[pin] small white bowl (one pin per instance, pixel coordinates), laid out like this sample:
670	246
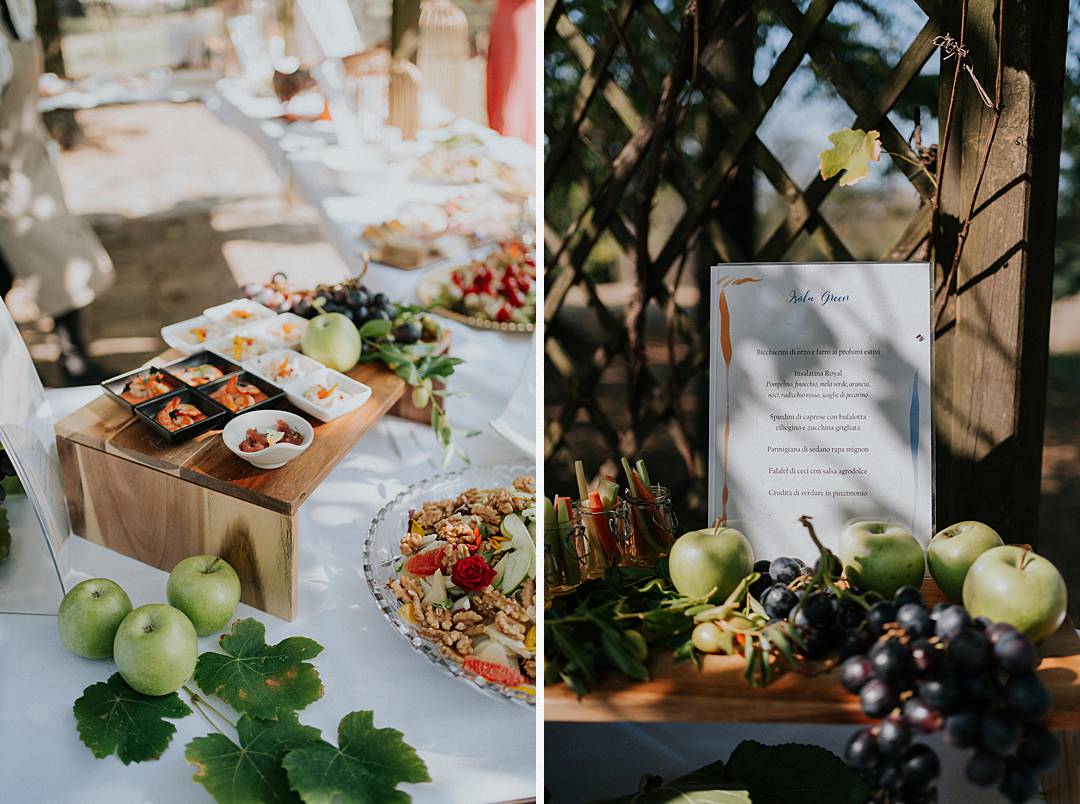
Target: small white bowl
272	457
220	313
263	365
358	394
174	334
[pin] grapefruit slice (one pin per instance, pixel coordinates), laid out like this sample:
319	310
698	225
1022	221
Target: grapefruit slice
426	563
499	673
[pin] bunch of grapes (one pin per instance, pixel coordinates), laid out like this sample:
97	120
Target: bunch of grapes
941	670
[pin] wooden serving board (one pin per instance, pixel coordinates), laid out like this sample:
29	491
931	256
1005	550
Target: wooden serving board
131	491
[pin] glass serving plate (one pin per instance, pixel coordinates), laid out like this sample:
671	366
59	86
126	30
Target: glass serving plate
382	553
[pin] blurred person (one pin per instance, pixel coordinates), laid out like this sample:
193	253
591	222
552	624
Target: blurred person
56	259
511	69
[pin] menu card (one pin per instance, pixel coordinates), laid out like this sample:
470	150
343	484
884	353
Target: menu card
819	400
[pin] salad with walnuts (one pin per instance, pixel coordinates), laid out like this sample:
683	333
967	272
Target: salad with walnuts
467	580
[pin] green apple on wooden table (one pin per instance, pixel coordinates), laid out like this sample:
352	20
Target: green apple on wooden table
90	615
155	649
1014	585
954	549
205	588
333	340
881	556
711	558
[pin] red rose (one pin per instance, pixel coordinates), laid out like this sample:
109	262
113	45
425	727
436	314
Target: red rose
472	573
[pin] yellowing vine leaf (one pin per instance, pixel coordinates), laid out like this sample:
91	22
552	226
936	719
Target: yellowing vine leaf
852	152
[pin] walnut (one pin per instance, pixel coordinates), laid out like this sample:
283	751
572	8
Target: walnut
406	588
467	498
528	593
452	631
512	628
486	514
530	668
455	530
410	543
434	512
491	602
526	483
452	555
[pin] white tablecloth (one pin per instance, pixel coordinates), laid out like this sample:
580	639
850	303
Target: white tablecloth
476	748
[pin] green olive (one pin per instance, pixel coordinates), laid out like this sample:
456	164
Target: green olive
707	637
640	648
421	395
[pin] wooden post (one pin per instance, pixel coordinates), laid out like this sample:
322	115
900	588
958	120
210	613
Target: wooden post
992	344
405	29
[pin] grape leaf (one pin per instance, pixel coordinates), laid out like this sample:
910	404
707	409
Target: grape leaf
367	765
259	679
112	718
251	771
852	152
811	774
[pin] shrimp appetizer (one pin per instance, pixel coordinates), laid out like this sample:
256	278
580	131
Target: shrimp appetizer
177	415
199	375
147	386
238	396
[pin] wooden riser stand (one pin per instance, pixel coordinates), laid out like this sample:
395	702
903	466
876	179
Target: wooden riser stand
132	492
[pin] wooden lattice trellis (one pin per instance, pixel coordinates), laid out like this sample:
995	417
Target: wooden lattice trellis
663	388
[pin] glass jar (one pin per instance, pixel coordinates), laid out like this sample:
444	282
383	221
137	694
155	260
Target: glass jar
652	525
566	554
606	531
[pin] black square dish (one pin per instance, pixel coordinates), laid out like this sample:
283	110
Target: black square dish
215	415
226	367
115	386
274	395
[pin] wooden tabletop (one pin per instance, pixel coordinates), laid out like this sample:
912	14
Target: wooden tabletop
205	460
720	693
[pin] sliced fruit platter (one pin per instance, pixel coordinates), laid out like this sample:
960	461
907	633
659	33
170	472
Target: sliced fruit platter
493	288
451	562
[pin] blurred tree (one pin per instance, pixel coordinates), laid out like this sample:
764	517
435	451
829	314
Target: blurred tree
61	123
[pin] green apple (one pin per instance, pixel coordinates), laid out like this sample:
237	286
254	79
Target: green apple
89	616
206	589
702	560
1011	584
155	649
953	550
881	556
333	340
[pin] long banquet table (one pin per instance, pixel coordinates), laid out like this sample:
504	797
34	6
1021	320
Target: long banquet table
476	748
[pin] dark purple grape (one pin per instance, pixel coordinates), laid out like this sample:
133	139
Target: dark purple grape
894	735
890	775
833	568
784	570
951	621
912	617
985	769
6	468
920	767
1038	749
850	614
940	692
969	650
379	300
362	314
999	630
817	640
1019	785
981	623
407	333
879	616
891	661
778	601
921	716
758	587
962	730
1028	697
907	594
852	643
878	698
926	657
855	672
817	609
861	752
1000	733
1015	653
982	689
383	314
